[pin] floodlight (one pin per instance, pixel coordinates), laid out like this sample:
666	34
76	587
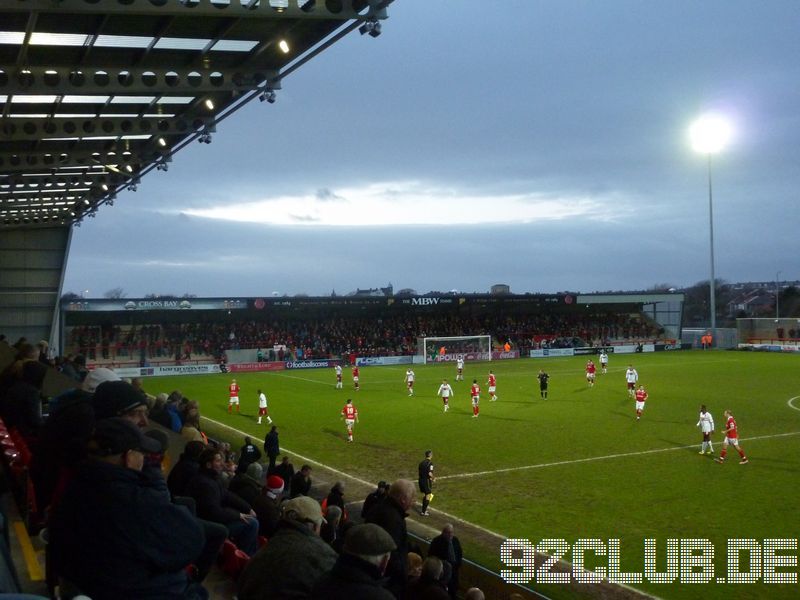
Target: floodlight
284	46
710	134
372	27
269	95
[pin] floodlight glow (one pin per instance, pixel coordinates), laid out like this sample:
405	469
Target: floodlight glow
284	46
710	134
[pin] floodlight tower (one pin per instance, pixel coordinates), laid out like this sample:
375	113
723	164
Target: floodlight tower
709	135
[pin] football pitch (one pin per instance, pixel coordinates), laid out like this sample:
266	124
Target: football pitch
577	466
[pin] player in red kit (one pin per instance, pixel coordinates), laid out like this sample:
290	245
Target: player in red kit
731	439
641	397
475	393
492	383
233	390
350	416
355	377
591	370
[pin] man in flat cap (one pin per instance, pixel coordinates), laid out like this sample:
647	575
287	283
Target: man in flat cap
294	559
358	572
115	535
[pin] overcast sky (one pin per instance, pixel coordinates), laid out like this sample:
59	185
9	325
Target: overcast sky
539	144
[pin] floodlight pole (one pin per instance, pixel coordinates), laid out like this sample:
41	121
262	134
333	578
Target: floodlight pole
778	295
713	308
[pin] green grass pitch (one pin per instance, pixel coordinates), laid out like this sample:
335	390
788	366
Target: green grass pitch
577	465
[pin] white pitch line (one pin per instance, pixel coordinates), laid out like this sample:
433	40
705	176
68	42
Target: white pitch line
597	458
789	402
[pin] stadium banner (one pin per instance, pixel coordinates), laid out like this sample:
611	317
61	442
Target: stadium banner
770	347
667	347
161	371
552	352
584	350
372	361
252	367
626	349
121	304
452	357
503	355
648	347
311	364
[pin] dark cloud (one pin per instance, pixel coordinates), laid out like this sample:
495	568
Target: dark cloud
327	195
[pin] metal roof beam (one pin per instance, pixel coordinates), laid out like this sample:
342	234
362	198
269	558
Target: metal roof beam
22	128
311	9
134	81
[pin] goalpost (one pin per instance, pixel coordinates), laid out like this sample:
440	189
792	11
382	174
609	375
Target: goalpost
450	349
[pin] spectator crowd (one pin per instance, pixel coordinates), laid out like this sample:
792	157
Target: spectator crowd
120	525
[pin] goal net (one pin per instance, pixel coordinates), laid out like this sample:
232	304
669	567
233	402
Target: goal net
450	349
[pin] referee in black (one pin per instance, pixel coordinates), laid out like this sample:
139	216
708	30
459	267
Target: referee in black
426	482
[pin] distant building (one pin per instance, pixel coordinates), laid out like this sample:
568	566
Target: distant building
500	289
385	291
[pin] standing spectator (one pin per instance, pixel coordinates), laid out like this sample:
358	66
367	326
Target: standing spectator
358	572
295	558
21	406
247	455
113	534
216	504
374	497
272	448
301	482
447	547
391	514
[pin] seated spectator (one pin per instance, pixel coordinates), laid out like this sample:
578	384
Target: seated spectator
429	586
264	500
335	498
113	535
294	559
358	572
330	529
474	593
217	504
301	482
191	431
414	563
120	399
185	469
158	412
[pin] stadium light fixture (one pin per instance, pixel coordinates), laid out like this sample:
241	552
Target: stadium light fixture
269	95
371	26
209	103
284	46
709	135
